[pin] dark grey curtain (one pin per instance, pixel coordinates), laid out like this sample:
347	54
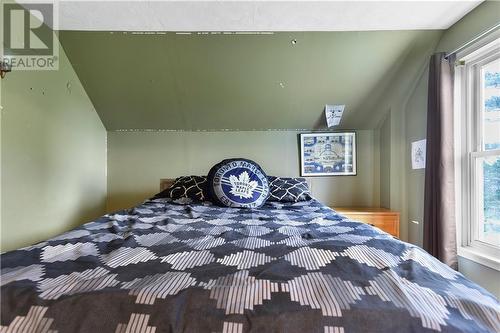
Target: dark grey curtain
439	201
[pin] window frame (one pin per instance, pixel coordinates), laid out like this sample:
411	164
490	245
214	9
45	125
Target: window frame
469	150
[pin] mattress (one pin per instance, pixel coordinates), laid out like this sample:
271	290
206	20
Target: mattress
168	266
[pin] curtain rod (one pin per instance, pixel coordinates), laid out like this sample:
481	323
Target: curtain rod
481	35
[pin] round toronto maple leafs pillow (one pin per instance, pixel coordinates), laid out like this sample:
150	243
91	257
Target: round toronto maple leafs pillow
238	182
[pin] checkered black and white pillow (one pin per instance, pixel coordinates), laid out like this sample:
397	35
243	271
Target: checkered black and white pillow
288	189
191	187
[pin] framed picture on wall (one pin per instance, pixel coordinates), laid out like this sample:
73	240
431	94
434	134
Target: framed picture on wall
328	154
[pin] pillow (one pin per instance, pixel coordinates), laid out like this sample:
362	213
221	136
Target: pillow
238	182
192	187
288	189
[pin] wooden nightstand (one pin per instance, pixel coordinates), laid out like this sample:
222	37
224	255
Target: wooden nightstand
382	218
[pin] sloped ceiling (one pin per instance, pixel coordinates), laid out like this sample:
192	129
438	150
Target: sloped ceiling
216	81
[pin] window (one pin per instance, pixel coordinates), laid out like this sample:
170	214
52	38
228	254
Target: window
477	133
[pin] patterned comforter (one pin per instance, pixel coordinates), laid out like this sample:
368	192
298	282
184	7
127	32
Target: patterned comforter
171	267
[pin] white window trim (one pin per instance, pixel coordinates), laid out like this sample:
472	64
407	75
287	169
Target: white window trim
466	154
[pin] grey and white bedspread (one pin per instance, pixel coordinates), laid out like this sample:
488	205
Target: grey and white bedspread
166	267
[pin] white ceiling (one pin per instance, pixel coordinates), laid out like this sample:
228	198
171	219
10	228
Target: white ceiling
213	15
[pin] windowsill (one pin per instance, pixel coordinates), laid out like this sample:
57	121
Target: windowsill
477	256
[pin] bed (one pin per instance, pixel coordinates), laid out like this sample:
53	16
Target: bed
167	266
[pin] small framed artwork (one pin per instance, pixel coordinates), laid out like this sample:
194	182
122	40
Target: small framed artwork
328	154
418	154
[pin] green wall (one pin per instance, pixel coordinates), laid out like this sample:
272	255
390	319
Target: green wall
408	118
53	156
237	81
392	125
138	160
385	163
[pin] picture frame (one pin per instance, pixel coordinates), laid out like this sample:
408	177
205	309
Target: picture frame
328	154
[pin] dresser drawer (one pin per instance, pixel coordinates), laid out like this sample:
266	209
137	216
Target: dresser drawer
381	218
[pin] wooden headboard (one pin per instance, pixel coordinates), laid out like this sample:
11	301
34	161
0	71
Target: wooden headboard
166	183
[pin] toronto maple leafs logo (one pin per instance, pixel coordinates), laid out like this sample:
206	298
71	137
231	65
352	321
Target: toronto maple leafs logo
242	186
240	183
